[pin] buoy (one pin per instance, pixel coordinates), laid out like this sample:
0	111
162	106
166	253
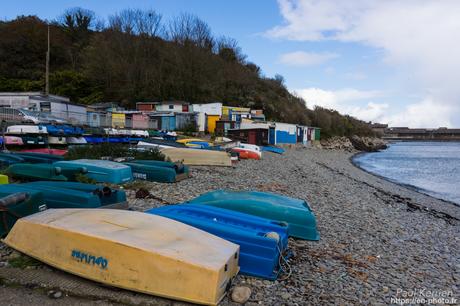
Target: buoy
273	235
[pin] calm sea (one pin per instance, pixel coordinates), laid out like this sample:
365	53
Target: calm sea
431	167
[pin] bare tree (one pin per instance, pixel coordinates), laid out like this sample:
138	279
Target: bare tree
138	22
189	29
229	50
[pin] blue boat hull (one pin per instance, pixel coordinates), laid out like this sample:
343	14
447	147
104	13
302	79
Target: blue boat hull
272	149
259	255
295	212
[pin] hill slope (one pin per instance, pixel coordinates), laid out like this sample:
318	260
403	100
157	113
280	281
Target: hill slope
138	57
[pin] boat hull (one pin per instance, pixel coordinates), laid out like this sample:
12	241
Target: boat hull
100	170
11	211
71	195
57	152
108	197
36	172
295	212
130	250
259	254
198	157
247	153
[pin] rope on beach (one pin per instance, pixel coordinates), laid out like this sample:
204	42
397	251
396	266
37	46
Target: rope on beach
282	259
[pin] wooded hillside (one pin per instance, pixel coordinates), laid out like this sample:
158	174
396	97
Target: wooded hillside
137	56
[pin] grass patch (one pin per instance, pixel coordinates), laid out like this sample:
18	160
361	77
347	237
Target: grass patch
24	261
82	178
137	184
112	150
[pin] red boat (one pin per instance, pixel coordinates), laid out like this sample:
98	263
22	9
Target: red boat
12	140
47	151
247	153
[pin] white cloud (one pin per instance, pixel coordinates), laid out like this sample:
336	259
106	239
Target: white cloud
419	39
301	58
426	113
359	104
345	100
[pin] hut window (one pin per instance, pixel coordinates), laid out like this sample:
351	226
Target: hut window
171	106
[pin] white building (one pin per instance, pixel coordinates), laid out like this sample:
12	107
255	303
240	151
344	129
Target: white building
58	106
204	111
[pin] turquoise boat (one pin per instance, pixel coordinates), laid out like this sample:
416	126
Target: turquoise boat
295	212
100	170
58	197
158	171
178	167
109	197
36	172
15	205
32	157
7	159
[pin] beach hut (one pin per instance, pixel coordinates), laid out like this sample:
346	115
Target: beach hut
165	120
222	127
211	123
255	136
207	115
140	121
118	120
282	133
317	134
185	120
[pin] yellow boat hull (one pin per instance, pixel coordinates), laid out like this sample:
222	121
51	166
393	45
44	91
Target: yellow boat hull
130	250
3	179
197	157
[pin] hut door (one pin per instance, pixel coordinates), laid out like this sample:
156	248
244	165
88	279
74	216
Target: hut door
252	139
299	135
271	136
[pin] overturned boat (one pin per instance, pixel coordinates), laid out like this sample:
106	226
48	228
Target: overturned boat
198	157
58	152
130	250
158	171
100	170
44	171
261	241
74	194
295	212
15	205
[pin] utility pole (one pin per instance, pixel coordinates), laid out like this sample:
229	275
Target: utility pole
47	76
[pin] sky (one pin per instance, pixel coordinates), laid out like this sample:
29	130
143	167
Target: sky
395	62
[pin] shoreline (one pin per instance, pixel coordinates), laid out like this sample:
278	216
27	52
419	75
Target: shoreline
408	186
377	237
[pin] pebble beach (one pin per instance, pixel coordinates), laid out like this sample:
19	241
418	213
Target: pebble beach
379	241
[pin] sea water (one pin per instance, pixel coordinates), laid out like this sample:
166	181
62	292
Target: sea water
431	167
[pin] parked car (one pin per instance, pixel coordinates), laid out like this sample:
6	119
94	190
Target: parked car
42	117
17	115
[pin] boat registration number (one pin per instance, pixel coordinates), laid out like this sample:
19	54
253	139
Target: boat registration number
141	176
90	259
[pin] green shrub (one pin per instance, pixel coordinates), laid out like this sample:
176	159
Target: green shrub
111	150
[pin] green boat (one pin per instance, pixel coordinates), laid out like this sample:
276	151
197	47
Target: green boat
36	172
178	167
109	197
158	171
73	196
7	159
32	157
295	212
15	205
